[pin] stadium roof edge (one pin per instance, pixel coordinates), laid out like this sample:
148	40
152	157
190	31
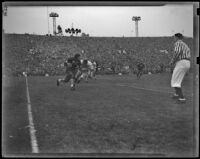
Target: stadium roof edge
93	3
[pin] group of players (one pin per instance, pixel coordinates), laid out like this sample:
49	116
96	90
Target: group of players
82	69
78	69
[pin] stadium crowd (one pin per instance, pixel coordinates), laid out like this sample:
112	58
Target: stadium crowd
41	55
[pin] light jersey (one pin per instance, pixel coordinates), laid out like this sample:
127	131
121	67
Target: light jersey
90	64
94	64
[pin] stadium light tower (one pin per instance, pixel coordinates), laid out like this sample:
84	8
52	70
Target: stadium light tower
48	19
136	19
5	9
54	15
72	30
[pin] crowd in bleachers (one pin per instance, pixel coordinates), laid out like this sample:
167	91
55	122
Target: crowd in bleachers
40	55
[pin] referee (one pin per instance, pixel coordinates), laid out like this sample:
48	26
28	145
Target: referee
181	61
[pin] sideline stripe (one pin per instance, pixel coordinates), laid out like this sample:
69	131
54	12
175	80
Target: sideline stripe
34	144
147	89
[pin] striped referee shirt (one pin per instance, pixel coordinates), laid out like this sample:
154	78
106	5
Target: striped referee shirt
181	51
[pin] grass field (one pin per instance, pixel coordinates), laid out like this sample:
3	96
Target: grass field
110	115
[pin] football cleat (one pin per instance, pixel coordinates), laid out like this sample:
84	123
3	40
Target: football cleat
73	88
181	101
175	96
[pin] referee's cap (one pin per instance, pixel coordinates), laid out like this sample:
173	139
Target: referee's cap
179	35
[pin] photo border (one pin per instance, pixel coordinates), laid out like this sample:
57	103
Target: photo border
195	73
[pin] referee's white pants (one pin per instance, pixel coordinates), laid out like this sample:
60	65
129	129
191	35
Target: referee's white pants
179	72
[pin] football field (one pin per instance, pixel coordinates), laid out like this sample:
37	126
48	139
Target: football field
111	115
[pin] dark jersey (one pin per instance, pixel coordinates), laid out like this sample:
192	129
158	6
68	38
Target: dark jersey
85	64
73	63
97	66
140	66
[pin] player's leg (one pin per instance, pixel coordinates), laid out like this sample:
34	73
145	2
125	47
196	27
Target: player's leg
65	79
179	95
176	94
177	77
89	74
72	84
175	81
83	76
138	74
141	72
94	74
78	76
179	92
72	80
185	69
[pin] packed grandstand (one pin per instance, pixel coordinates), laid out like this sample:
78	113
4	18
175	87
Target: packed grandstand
40	54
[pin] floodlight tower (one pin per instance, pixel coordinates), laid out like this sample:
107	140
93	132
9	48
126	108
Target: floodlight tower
136	19
48	19
54	15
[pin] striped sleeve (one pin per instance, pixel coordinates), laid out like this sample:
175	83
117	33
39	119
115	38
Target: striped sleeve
186	52
181	51
177	50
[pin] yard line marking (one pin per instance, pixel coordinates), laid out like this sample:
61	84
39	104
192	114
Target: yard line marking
153	90
32	130
142	88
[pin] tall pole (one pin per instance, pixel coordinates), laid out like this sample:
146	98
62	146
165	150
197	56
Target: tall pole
48	18
136	19
4	17
54	15
54	25
136	28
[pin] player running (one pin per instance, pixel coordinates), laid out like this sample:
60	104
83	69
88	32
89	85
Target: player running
84	70
140	67
72	71
92	69
181	60
88	70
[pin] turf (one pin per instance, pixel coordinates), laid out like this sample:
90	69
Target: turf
15	132
114	114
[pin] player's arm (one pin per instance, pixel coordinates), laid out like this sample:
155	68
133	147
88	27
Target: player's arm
65	63
68	63
79	64
177	50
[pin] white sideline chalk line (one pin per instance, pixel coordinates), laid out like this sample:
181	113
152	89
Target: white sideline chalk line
32	130
153	90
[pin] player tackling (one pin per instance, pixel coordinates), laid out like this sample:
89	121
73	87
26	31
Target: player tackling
181	60
72	71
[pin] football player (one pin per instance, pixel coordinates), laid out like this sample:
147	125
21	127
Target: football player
140	67
72	71
84	70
